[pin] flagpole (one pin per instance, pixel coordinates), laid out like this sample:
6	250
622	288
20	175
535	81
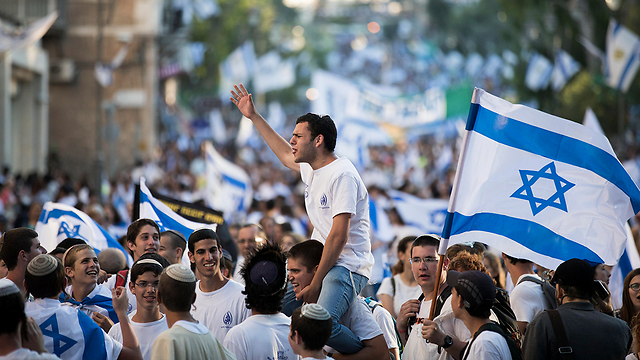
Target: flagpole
444	241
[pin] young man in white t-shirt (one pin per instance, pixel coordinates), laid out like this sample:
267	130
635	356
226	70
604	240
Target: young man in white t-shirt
264	335
337	204
472	296
147	322
527	297
220	304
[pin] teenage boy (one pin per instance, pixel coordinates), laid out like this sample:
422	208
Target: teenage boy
219	301
147	322
172	246
18	247
472	295
186	337
310	330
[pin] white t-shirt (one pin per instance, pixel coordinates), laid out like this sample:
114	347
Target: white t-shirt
403	292
386	324
489	345
335	189
236	272
145	332
527	299
26	354
261	337
417	348
111	283
220	310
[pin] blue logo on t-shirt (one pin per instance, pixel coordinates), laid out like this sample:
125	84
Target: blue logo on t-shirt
323	200
227	318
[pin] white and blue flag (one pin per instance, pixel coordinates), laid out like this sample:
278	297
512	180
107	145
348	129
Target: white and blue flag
228	185
167	219
538	187
563	70
538	72
623	56
428	215
59	221
69	333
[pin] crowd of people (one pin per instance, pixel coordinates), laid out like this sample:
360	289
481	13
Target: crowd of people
295	290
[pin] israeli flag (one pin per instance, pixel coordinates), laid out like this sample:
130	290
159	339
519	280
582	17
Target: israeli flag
71	334
167	219
59	221
623	56
228	185
563	70
538	72
538	187
428	215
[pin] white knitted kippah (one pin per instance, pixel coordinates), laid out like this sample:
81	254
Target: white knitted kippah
42	265
315	312
148	261
7	287
180	273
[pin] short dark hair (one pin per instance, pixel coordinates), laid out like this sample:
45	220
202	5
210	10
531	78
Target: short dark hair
176	295
265	299
14	241
426	240
321	125
157	257
12	310
202	234
514	260
577	292
134	229
308	252
140	268
177	239
46	286
314	333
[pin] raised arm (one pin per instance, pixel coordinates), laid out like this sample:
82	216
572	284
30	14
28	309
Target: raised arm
244	101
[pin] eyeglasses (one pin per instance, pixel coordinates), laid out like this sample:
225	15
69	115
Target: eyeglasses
427	260
144	284
634	287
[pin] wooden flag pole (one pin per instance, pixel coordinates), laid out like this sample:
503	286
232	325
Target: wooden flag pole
436	288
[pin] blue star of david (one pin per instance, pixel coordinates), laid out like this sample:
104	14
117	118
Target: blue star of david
557	200
70	232
61	343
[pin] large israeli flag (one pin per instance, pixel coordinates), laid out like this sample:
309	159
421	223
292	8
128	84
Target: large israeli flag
59	221
623	56
538	187
167	219
228	185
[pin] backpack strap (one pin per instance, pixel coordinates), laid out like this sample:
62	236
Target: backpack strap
565	350
547	294
121	277
444	295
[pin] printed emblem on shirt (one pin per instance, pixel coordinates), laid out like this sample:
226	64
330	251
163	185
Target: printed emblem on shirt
227	318
323	202
281	355
306	191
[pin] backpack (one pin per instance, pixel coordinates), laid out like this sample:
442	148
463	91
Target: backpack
516	353
372	305
548	290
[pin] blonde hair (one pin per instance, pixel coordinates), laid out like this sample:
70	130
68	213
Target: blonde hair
71	255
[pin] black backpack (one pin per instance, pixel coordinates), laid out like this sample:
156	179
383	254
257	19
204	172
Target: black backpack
548	290
516	353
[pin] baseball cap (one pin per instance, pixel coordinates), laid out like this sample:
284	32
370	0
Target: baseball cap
574	272
476	288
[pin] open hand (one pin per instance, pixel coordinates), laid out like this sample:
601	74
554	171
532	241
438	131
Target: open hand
243	100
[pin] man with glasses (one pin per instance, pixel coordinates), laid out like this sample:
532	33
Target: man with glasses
424	265
148	322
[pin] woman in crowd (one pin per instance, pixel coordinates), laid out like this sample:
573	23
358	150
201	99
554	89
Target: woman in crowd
631	307
402	286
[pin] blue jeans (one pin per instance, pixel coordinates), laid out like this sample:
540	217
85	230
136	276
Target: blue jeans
340	288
